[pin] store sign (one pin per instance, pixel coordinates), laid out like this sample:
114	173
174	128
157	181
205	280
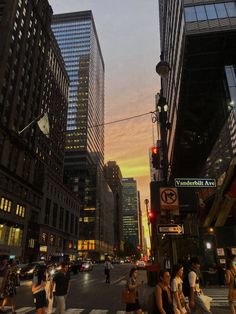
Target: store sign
195	183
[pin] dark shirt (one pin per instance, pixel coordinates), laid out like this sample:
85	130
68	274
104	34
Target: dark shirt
62	282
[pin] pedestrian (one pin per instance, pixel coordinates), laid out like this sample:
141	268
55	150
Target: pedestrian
192	288
49	276
132	286
163	298
61	286
179	304
3	271
9	287
107	269
38	289
231	281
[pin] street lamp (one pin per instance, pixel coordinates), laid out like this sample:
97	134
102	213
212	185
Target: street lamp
162	67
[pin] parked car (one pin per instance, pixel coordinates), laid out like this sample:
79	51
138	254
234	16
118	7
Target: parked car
140	264
86	266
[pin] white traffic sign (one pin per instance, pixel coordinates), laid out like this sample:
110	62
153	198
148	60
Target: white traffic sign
170	229
169	199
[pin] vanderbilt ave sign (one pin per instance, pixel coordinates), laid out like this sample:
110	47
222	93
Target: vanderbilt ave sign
195	183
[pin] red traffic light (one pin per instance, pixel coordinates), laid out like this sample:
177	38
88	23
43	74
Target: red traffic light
155	150
152	216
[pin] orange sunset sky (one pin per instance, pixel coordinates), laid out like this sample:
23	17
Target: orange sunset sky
128	31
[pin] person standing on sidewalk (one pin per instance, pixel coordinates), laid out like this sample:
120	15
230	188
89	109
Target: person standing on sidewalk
231	281
163	298
49	276
133	286
61	285
107	269
179	304
197	300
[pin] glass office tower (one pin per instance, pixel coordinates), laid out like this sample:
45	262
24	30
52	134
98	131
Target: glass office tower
77	38
130	211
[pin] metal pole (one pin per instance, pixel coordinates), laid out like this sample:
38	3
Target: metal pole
32	122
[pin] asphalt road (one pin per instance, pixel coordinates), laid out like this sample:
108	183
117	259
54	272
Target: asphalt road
88	290
91	294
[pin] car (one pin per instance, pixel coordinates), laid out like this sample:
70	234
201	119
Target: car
27	271
140	264
87	266
75	266
122	261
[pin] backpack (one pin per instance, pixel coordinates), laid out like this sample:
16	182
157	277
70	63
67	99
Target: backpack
186	285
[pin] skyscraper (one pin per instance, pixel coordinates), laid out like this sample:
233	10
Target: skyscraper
198	40
77	37
33	80
114	179
130	211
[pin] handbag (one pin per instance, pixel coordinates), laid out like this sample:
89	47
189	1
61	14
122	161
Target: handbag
204	301
128	296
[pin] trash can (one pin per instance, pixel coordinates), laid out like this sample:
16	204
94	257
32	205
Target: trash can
152	274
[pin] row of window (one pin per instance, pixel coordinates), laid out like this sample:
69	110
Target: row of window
210	11
6	206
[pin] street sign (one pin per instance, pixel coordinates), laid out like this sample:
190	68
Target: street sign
195	183
170	229
169	199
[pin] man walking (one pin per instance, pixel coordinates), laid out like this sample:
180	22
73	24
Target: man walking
61	286
107	268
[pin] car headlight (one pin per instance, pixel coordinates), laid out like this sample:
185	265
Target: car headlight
30	271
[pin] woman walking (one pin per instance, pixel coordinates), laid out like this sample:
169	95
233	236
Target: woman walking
179	303
9	287
231	281
38	289
132	286
164	302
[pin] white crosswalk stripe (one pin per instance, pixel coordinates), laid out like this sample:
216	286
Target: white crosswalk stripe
219	296
31	310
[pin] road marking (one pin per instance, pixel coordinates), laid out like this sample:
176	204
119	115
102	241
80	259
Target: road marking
98	312
74	311
118	280
26	309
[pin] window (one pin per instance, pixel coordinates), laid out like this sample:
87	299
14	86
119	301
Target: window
220	10
211	11
72	223
47	211
31	243
231	8
76	225
20	210
61	218
54	215
67	221
5	205
201	13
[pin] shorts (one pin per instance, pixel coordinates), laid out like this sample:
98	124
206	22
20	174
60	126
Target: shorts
40	299
131	307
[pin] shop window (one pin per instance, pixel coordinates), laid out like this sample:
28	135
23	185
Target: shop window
5	205
31	243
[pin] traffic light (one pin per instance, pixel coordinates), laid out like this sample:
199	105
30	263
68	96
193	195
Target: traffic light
152	215
155	157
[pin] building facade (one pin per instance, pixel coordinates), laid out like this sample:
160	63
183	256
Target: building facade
84	159
199	91
130	212
33	81
113	177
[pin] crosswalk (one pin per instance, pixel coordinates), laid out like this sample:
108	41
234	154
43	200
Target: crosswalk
219	296
31	310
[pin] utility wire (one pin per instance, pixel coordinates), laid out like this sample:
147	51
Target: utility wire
121	120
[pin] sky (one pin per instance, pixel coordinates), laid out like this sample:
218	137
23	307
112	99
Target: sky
128	32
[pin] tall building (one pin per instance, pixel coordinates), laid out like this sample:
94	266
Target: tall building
84	159
130	212
113	177
33	80
198	40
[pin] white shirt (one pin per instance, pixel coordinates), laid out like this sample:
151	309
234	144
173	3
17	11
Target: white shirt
192	278
176	285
